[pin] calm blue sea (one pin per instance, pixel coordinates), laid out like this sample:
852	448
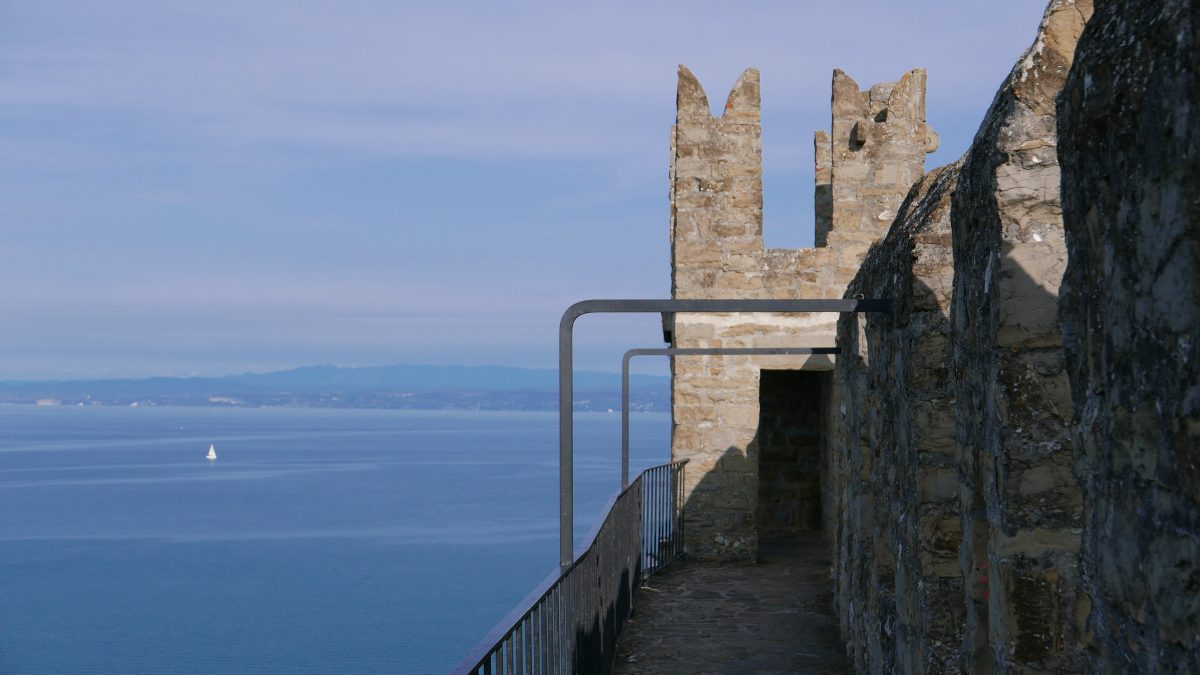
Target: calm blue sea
320	541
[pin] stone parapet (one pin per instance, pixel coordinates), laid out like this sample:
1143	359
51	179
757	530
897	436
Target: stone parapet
1129	143
891	476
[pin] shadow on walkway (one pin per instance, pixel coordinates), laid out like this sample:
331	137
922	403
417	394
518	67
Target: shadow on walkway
774	616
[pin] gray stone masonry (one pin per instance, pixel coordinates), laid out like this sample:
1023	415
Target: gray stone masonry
1021	504
892	480
1129	143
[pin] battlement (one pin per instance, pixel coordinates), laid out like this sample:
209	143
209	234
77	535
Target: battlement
865	165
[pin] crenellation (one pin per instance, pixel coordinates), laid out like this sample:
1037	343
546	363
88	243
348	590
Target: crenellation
718	252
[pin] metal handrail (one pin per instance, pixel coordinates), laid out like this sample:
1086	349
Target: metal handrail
570	623
566	338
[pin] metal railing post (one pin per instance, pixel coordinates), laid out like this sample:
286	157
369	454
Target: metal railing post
566	328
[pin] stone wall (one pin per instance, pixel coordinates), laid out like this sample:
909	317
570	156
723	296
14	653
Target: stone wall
866	164
892	507
1129	147
955	510
1021	504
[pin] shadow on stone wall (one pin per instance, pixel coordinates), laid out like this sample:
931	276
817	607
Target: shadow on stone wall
728	533
951	501
1129	143
772	489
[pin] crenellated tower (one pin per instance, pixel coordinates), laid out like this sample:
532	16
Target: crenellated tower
725	416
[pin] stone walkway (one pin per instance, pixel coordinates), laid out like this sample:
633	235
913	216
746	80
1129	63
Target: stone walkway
770	617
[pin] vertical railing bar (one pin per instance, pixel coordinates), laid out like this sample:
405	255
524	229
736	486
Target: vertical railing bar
531	640
529	646
664	537
510	659
570	625
551	634
676	491
648	547
576	610
560	643
663	521
581	617
520	649
539	637
671	511
571	630
574	625
664	516
682	515
647	519
651	489
658	519
679	515
552	647
674	499
651	527
589	589
515	647
651	560
564	636
668	515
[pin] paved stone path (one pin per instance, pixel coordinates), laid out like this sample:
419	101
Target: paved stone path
771	617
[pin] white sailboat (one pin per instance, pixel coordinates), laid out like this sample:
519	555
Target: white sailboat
212	453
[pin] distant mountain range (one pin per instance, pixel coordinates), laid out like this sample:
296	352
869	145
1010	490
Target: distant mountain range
397	386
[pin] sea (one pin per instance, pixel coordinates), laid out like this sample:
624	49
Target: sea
320	541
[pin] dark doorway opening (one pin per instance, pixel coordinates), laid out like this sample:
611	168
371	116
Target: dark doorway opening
791	430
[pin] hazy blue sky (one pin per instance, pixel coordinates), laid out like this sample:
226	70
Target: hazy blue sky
219	186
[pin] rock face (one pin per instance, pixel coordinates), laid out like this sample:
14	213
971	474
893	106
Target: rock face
1130	154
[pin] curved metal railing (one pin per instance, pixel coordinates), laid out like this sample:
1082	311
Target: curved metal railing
570	623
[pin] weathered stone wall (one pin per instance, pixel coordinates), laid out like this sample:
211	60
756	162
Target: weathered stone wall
1130	152
893	503
1021	505
955	513
875	150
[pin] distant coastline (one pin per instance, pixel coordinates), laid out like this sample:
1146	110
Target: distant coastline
408	387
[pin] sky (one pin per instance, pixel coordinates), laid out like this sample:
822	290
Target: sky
222	187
